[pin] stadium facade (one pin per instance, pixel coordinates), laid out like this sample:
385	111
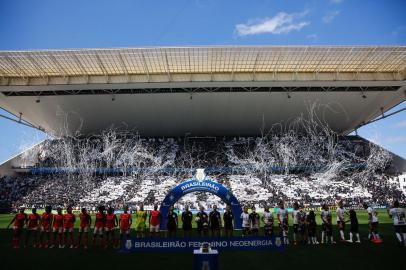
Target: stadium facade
199	91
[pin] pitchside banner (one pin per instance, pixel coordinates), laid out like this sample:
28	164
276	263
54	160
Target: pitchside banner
190	244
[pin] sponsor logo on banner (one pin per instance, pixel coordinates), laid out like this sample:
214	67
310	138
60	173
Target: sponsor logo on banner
128	244
187	186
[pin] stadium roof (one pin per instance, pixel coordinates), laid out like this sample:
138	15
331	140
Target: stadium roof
217	90
170	61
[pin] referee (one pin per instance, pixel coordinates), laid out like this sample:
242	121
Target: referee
172	223
187	222
215	222
202	221
228	218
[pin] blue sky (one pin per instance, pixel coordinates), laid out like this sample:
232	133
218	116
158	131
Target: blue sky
49	24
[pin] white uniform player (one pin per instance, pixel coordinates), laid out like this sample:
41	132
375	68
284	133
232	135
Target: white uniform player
398	216
245	220
283	218
373	222
296	217
268	222
373	215
327	226
268	218
245	217
340	215
340	219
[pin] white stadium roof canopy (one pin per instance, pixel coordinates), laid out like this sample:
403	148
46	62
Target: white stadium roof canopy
194	61
215	90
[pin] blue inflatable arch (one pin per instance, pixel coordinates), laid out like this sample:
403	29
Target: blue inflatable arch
193	185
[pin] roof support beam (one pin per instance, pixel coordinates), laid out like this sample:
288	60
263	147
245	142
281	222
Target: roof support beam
339	66
190	66
280	88
255	66
167	67
17	69
239	78
120	57
58	65
145	66
102	67
316	69
76	59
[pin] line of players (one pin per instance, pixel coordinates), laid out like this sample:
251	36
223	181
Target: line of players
305	226
50	230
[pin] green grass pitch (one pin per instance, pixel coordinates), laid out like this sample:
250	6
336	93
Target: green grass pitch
341	255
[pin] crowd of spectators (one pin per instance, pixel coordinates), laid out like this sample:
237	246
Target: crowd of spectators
58	189
215	154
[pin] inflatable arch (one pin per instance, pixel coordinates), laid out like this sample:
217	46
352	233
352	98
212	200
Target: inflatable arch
193	185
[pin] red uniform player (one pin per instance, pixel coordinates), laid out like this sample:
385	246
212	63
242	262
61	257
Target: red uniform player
154	221
32	227
46	222
19	221
68	222
57	228
85	223
125	222
99	225
111	224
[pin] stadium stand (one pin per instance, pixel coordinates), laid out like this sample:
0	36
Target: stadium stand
164	163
